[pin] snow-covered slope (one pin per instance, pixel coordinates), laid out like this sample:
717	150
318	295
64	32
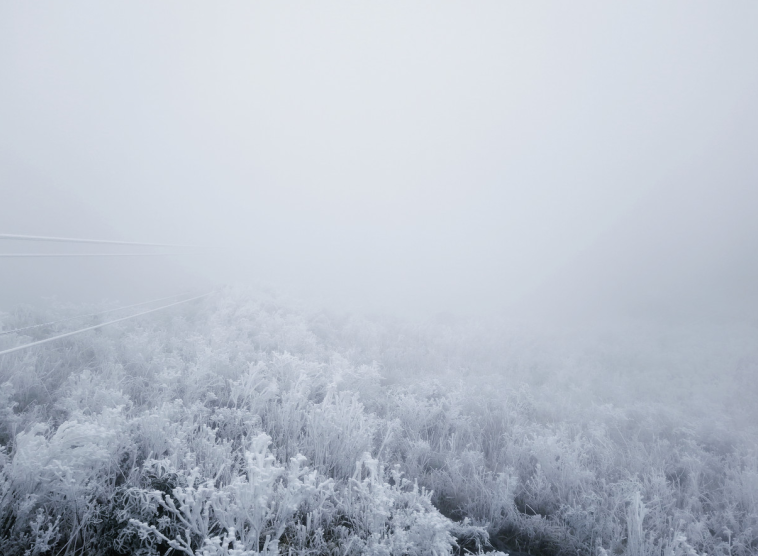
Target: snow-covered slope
248	424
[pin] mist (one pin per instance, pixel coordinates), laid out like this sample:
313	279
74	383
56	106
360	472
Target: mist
403	278
405	159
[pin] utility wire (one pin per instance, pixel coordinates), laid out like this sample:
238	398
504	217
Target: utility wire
80	240
4	332
40	342
14	255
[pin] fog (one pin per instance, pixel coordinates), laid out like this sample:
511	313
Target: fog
411	158
445	278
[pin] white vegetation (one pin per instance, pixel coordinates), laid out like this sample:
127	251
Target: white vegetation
244	425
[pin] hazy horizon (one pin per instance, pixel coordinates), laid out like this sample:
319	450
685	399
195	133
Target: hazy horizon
409	159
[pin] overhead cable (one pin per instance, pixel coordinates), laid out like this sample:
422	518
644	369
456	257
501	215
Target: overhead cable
66	335
4	332
81	240
16	255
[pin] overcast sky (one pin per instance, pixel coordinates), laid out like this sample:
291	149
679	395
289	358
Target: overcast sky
409	157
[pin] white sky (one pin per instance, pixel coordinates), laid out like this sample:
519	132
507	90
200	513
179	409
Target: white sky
408	156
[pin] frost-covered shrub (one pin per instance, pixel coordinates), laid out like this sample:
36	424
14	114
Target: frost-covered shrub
267	506
208	430
248	514
56	480
396	518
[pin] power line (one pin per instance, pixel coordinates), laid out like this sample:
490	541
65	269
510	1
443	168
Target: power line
5	332
81	240
24	255
66	335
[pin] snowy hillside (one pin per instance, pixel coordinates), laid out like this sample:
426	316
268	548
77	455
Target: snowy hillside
245	424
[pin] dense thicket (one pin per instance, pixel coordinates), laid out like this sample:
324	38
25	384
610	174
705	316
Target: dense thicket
245	424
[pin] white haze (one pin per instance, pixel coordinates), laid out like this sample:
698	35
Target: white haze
417	157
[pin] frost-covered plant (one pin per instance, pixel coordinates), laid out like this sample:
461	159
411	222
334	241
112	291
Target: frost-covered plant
393	518
247	515
55	481
156	427
265	503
